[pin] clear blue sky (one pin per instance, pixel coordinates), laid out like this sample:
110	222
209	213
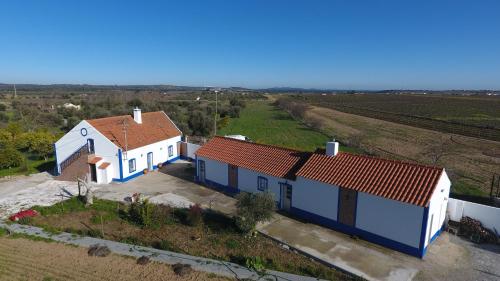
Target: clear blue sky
372	44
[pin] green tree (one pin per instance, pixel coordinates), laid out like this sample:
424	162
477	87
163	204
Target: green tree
253	208
10	157
200	124
42	144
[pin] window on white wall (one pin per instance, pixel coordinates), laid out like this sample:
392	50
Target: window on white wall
170	150
131	165
262	183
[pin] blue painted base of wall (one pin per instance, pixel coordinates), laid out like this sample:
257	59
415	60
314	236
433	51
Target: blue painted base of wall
368	236
155	167
187	159
220	187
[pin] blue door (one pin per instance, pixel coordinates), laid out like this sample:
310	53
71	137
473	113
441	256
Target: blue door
90	144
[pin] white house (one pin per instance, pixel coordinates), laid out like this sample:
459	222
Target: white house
396	204
118	148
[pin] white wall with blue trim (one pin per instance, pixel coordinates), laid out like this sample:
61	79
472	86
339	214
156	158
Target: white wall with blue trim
248	180
315	197
391	219
215	171
437	208
140	154
78	136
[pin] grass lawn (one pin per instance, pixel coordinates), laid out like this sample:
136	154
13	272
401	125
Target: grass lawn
215	237
264	123
35	165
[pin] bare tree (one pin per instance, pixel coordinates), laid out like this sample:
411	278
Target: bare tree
87	185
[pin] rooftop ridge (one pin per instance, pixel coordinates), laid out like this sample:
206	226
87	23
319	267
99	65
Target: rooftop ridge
263	144
388	160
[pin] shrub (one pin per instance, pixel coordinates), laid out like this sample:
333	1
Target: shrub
10	157
252	209
194	215
142	213
255	263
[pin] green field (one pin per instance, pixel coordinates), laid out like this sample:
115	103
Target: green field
264	123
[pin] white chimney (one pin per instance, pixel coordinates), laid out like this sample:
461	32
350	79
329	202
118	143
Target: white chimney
137	115
332	148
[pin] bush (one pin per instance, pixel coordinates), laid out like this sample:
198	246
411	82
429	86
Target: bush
194	215
252	209
143	214
10	157
255	263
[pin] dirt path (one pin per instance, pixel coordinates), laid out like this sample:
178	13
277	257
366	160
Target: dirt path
22	259
471	160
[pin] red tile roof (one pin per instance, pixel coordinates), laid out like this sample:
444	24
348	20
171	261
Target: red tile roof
104	165
267	159
94	159
155	127
402	181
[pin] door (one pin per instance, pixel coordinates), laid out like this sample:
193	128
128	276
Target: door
93	173
286	196
347	206
233	176
150	161
201	170
90	144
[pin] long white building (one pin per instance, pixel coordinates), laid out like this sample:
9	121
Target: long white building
118	148
396	204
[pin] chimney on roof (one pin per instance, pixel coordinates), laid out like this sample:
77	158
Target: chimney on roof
137	115
332	148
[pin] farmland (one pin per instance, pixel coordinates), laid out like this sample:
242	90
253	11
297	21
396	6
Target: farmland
475	116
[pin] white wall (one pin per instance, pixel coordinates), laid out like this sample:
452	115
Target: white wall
73	140
437	207
247	181
160	155
315	197
388	218
487	215
191	150
215	171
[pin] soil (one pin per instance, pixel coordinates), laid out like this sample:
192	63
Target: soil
22	259
469	160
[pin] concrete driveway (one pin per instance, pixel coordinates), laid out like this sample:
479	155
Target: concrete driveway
172	185
449	257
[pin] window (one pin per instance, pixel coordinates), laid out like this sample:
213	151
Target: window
262	183
131	165
170	150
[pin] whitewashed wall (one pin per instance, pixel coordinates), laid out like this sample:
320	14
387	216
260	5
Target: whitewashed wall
160	155
191	150
487	215
215	171
437	207
247	181
315	197
390	218
73	140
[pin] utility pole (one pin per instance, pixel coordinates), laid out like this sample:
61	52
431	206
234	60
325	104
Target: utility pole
15	91
215	123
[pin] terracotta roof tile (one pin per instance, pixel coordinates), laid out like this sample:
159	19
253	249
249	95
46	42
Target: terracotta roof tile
402	181
94	159
104	165
267	159
155	127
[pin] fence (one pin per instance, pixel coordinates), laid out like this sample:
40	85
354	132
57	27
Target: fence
188	149
487	215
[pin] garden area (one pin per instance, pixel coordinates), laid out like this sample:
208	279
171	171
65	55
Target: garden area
192	231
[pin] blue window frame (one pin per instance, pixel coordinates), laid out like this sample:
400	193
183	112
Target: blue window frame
131	165
170	150
262	183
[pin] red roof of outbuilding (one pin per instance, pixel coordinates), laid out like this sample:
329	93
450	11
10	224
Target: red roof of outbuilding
402	181
267	159
155	127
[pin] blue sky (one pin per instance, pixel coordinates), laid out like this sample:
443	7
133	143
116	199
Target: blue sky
376	44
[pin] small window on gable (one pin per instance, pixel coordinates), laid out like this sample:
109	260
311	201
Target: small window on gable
131	165
170	150
262	183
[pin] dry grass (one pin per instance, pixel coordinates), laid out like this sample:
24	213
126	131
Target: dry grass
469	161
22	259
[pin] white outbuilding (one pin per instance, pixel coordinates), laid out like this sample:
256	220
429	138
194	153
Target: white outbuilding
396	204
118	148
